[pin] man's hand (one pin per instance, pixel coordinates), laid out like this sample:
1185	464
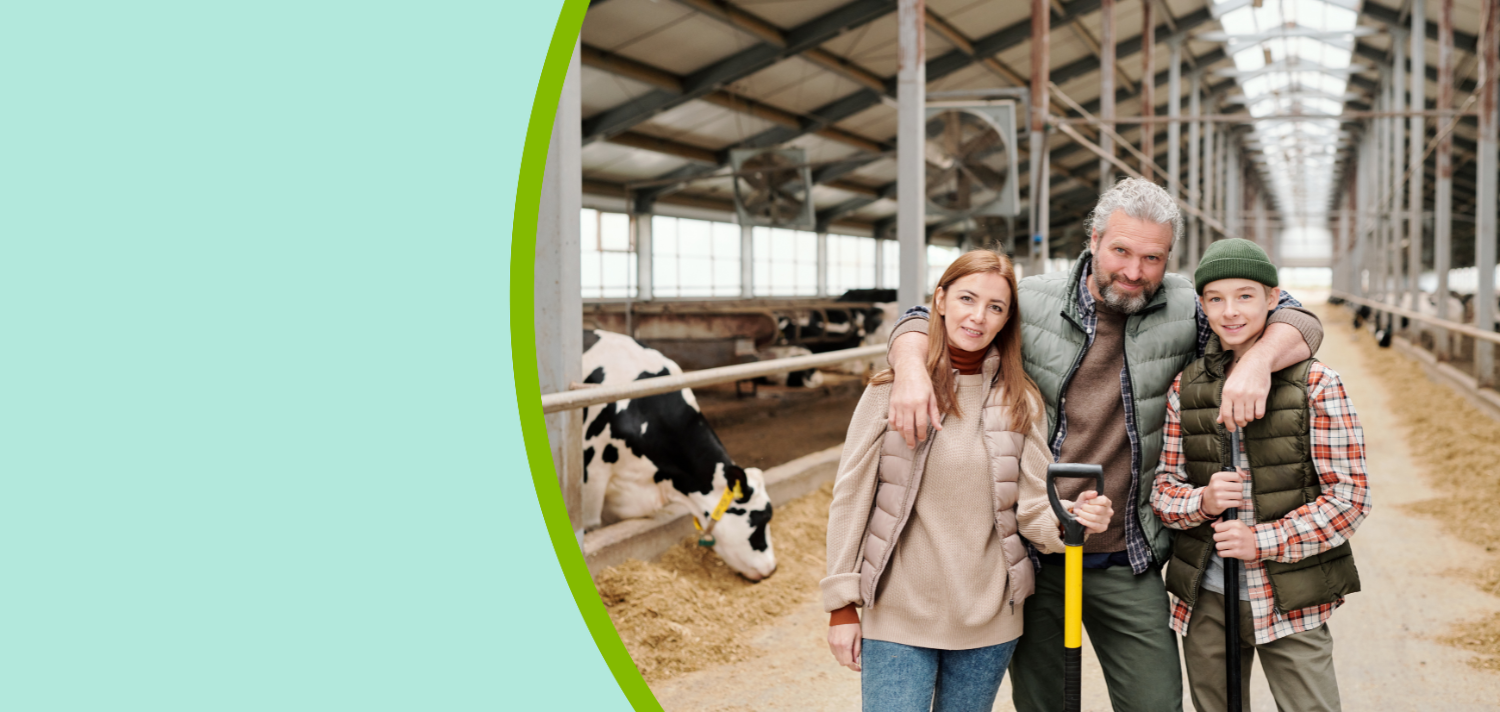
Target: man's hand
844	640
1224	490
1245	392
913	406
1093	512
1234	540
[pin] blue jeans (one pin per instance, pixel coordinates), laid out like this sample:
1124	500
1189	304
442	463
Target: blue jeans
904	678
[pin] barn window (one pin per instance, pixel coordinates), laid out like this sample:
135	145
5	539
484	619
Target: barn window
694	258
938	259
607	253
890	264
851	263
786	262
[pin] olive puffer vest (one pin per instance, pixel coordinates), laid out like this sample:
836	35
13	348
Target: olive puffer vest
1159	341
900	476
1282	478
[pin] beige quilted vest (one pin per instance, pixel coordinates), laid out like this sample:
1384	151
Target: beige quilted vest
900	477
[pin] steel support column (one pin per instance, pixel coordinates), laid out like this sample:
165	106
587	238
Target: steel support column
644	252
1210	178
1041	29
1174	132
1148	88
911	138
1195	177
747	261
1442	221
1418	133
1398	231
1106	89
1484	219
559	292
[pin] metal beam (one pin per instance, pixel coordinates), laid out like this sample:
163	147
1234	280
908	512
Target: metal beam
735	67
911	135
1148	87
1041	29
1106	90
1417	131
1485	218
1442	224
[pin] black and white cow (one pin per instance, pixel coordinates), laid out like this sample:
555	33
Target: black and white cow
641	454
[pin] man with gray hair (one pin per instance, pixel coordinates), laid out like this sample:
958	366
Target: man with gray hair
1104	342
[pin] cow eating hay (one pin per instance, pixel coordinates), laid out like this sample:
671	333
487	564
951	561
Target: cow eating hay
641	454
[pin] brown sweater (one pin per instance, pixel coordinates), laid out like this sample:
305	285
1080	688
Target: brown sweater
1096	426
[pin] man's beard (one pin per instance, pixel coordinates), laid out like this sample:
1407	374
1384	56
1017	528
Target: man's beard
1118	300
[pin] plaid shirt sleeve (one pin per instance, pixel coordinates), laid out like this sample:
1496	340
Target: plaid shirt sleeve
1338	450
1177	503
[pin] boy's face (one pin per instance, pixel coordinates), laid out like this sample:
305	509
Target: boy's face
1237	310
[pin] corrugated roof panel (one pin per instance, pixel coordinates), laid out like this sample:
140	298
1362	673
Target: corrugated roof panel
683	46
795	85
788	14
872	46
602	90
703	124
978	18
620	23
607	161
878	121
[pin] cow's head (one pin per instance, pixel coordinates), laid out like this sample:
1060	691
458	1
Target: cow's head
743	535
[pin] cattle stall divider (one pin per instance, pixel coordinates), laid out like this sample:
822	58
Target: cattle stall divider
583	398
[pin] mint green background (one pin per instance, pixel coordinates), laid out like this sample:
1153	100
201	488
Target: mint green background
261	449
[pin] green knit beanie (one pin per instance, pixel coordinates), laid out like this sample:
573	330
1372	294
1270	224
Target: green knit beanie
1234	258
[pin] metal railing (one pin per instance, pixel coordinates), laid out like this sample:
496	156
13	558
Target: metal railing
595	395
1466	329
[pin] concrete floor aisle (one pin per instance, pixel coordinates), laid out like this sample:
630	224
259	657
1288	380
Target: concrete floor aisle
1386	655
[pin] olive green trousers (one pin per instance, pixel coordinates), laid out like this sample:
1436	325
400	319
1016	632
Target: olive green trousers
1299	667
1127	619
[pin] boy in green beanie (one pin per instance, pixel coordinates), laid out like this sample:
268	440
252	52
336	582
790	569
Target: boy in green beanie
1300	487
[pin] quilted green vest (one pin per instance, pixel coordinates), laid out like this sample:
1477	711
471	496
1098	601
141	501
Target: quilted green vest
1159	341
1282	478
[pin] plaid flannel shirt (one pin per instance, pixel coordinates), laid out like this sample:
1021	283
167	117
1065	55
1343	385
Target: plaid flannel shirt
1338	453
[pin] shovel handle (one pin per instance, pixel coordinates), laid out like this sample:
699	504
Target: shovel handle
1072	530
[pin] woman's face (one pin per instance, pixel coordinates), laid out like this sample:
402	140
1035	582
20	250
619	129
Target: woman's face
974	308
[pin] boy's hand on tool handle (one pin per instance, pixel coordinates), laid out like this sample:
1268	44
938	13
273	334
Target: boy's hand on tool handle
1224	490
1093	512
844	640
1234	540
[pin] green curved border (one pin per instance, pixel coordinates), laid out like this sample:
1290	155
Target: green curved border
523	356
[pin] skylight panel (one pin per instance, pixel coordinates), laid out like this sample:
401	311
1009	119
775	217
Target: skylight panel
1249	58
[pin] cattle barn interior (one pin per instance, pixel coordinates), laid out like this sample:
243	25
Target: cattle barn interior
732	182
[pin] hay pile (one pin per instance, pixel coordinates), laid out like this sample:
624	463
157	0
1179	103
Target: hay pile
1458	448
689	611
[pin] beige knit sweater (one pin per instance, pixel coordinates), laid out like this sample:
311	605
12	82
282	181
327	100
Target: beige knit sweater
944	587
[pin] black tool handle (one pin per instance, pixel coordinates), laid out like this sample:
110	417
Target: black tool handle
1072	530
1232	597
1072	679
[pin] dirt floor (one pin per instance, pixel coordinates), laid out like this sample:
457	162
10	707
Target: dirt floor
1419	635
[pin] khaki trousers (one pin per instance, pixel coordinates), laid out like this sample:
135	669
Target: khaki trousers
1299	668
